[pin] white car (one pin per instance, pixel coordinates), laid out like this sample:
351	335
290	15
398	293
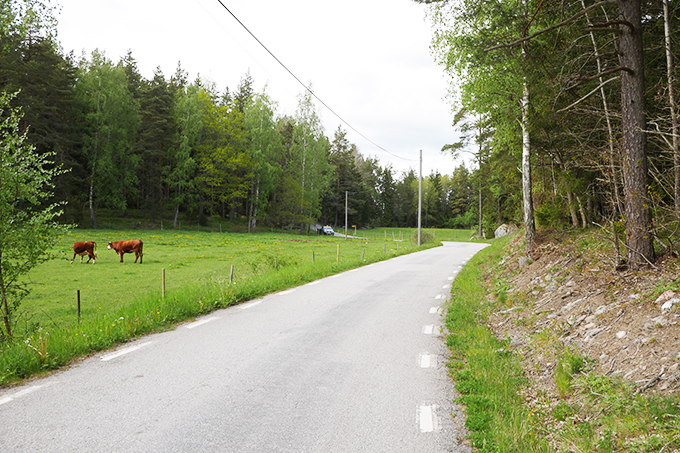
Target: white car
328	231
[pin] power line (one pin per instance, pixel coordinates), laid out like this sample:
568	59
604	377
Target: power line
306	87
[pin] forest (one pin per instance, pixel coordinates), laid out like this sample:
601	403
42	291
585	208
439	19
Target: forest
169	149
579	97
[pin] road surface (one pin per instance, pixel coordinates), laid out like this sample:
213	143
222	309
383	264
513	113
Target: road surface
350	363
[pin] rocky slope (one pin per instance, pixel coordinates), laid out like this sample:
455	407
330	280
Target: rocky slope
571	296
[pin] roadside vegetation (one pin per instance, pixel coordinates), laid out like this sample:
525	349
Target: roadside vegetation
583	409
124	301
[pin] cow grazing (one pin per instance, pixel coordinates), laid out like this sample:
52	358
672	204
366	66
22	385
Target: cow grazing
122	247
82	248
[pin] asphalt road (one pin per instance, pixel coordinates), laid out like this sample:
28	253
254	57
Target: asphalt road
349	363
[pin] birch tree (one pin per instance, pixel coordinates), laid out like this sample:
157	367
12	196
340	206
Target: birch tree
28	226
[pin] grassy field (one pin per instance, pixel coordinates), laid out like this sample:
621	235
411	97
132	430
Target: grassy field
122	301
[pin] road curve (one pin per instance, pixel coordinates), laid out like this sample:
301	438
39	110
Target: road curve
350	363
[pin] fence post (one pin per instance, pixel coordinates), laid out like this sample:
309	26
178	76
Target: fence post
163	283
384	247
337	258
313	260
363	252
78	306
231	275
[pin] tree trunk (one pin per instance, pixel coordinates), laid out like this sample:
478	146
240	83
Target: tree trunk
480	231
610	131
670	72
93	214
529	222
572	209
5	305
639	243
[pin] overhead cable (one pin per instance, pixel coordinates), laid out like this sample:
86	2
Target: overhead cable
306	87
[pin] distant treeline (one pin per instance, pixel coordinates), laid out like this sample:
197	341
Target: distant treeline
176	149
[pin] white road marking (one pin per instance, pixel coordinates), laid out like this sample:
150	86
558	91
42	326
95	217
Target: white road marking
251	304
427	361
201	322
315	282
431	330
19	394
439	296
283	293
450	278
124	351
426	418
446	286
434	310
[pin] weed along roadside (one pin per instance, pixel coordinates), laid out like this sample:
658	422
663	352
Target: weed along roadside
184	275
523	388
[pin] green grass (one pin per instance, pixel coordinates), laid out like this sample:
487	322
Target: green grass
123	301
488	377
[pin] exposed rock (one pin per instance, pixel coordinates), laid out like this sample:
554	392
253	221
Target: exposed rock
666	307
504	230
523	262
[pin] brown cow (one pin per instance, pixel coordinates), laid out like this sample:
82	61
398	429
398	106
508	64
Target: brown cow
82	248
122	247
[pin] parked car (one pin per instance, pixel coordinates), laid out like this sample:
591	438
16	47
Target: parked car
328	231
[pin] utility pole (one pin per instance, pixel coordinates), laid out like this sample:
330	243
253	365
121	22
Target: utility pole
346	215
420	193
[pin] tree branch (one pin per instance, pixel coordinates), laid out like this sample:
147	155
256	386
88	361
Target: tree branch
588	95
545	30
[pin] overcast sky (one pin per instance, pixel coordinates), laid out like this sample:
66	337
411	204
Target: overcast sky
368	60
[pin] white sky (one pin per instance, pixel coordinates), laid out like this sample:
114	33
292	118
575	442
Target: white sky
368	60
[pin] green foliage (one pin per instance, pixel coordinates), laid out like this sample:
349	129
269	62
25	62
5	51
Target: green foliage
568	365
110	122
27	226
551	214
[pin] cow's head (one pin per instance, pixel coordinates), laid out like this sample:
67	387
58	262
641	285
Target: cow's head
110	246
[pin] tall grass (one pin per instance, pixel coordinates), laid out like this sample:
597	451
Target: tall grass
488	377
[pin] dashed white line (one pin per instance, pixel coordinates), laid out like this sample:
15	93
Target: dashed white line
283	293
19	394
438	296
251	304
428	330
124	351
450	278
426	417
446	286
434	310
315	282
427	361
201	322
